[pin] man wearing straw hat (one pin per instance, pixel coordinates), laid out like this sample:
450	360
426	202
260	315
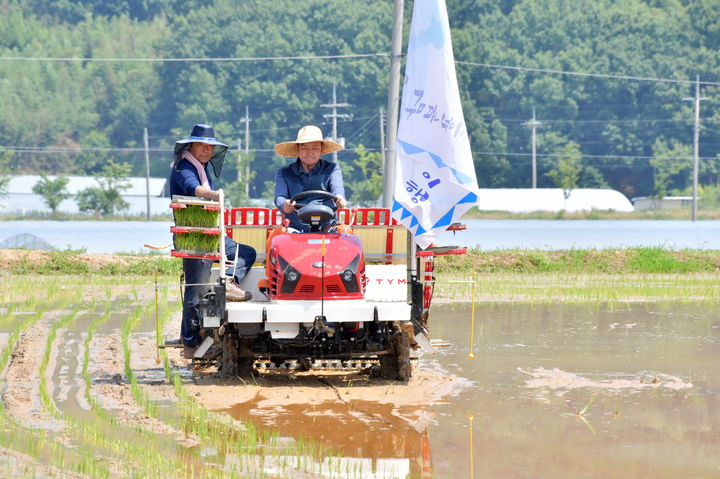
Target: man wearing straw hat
189	177
307	172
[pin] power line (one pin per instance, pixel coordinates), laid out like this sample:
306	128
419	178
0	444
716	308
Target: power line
38	149
363	127
585	74
30	149
556	155
196	59
599	121
351	56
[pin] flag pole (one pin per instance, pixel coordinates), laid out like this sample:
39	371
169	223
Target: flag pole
393	105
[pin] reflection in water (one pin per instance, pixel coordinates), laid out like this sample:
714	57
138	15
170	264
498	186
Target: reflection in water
558	391
374	440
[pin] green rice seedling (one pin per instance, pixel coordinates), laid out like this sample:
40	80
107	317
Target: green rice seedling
197	241
137	392
584	288
196	216
33	442
93	440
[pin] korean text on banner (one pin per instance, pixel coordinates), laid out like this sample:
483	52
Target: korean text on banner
435	182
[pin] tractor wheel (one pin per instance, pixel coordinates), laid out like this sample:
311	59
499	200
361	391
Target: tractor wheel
245	367
229	354
233	364
396	365
304	364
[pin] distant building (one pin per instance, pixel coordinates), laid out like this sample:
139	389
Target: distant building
643	203
527	200
21	199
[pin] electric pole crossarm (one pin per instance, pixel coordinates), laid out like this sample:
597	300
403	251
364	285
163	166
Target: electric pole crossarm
334	116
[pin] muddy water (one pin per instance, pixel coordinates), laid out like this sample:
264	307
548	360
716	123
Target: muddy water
558	391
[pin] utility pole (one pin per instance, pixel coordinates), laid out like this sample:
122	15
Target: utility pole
696	145
533	124
246	173
381	114
335	115
239	161
147	172
393	104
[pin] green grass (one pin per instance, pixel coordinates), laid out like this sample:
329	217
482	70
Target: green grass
592	287
653	260
71	262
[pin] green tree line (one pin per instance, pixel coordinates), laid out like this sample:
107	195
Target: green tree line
635	135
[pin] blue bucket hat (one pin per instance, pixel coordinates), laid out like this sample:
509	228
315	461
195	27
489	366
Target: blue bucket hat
203	134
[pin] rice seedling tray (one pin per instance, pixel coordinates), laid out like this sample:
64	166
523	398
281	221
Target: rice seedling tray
182	202
195	229
180	206
195	254
197	232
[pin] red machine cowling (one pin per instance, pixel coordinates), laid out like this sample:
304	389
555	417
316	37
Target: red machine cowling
298	271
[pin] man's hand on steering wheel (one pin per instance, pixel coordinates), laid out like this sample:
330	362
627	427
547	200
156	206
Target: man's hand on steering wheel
288	206
340	202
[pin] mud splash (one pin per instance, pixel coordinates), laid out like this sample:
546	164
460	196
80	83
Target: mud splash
558	379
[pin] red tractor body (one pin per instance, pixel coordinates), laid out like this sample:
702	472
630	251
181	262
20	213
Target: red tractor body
315	266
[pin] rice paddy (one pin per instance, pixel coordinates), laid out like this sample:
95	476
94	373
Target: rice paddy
161	440
67	322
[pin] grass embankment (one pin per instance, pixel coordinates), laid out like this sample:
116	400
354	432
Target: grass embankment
636	274
607	261
614	275
75	262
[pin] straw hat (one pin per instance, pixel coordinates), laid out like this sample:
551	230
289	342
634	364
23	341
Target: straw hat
306	134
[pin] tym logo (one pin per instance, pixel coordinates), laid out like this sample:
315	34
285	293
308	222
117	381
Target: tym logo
382	281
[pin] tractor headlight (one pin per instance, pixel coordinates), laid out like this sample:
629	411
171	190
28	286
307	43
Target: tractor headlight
349	276
291	276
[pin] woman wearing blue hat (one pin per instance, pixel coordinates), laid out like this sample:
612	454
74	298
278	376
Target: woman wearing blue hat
189	177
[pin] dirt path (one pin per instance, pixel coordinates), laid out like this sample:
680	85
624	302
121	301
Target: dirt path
22	393
272	391
16	464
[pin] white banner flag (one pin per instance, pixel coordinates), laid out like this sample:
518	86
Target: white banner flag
435	182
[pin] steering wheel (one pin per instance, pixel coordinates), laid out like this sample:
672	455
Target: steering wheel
304	194
315	214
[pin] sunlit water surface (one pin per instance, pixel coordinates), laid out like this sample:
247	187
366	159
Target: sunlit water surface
557	391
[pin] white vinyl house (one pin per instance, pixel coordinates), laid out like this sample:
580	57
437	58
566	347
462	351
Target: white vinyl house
21	200
527	200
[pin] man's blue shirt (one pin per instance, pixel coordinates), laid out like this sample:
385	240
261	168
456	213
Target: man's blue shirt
184	179
292	179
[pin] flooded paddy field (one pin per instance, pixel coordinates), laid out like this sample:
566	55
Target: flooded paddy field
622	390
555	389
